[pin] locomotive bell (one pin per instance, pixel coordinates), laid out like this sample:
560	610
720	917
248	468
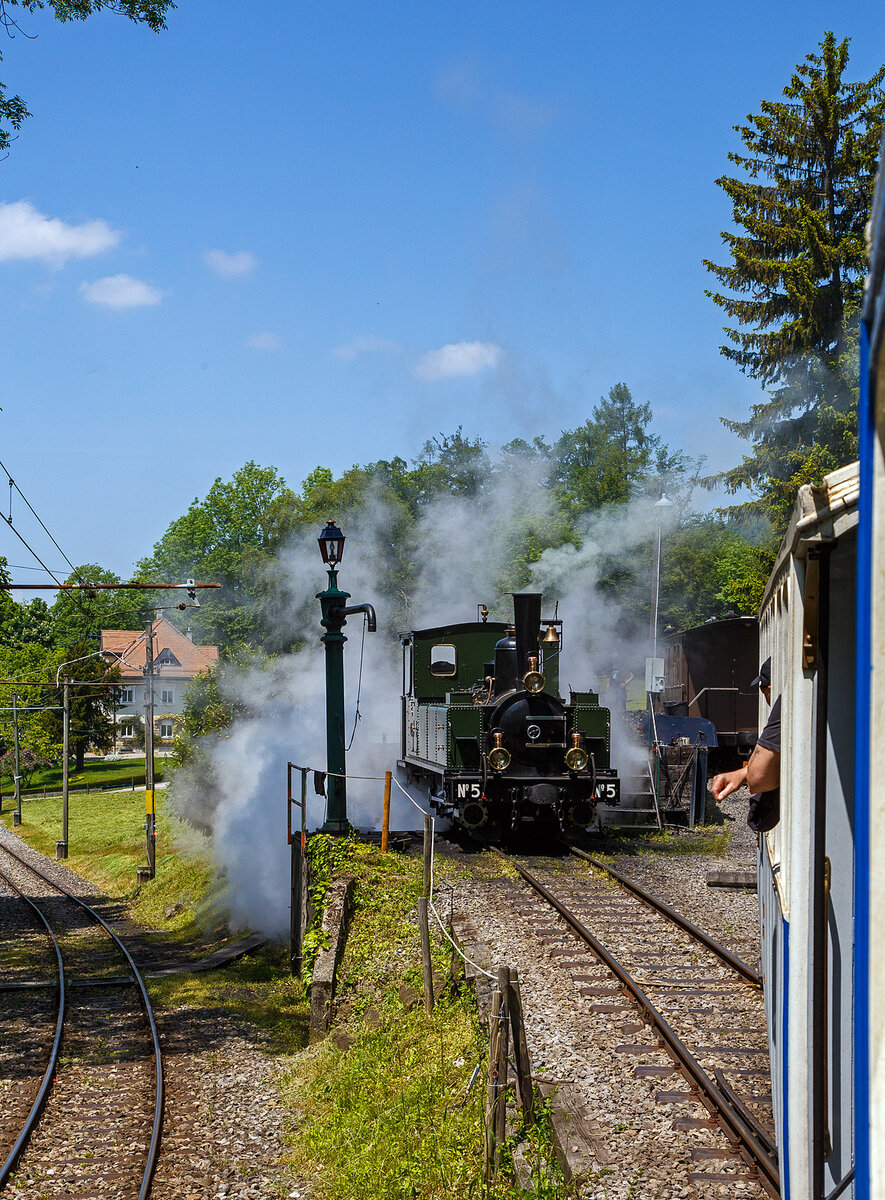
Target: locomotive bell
551	637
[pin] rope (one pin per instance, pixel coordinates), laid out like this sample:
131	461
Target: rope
430	905
359	686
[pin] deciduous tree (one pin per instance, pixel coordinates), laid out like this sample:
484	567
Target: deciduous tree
13	110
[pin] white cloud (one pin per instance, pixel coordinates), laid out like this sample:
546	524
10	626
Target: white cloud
264	341
230	266
460	358
519	115
120	291
26	233
367	345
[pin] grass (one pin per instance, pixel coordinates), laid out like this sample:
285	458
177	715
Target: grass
98	774
258	989
704	839
391	1116
106	842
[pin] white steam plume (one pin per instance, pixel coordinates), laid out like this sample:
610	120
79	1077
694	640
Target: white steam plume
463	549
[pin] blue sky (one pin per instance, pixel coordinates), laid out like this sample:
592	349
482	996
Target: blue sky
321	233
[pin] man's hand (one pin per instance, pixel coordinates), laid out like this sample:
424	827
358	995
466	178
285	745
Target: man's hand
728	782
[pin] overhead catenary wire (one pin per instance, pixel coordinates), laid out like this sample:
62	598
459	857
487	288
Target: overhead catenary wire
13	484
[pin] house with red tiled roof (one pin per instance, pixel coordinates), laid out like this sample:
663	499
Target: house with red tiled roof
176	661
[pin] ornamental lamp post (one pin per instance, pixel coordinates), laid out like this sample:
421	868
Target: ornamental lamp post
334	617
660	513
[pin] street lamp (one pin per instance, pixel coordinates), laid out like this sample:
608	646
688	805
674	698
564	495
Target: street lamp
660	512
334	617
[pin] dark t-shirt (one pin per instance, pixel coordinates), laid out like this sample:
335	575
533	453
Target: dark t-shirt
764	812
770	737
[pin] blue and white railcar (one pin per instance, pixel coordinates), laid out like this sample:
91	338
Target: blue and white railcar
869	958
822	868
806	890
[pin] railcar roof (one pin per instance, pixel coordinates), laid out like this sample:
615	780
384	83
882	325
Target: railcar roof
735	620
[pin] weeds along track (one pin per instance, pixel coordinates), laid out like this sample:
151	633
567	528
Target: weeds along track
81	1073
701	1008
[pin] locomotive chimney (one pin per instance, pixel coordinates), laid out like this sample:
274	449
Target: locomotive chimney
527	620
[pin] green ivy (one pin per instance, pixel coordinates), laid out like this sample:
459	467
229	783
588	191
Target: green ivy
326	857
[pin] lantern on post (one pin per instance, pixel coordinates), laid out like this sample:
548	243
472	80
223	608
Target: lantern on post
334	617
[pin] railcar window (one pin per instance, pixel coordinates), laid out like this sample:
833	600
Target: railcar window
443	661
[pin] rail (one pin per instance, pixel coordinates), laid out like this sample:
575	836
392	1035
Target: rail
159	1098
48	1075
677	918
751	1142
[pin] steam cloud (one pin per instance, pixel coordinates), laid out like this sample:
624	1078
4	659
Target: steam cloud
463	557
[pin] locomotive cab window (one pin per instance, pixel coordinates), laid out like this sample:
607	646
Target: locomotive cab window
443	661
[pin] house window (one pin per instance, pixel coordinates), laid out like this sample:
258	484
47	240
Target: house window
167	696
166	729
126	731
125	695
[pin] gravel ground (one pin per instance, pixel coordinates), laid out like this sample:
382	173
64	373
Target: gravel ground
730	916
637	1152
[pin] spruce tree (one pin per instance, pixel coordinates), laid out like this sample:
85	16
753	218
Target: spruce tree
795	280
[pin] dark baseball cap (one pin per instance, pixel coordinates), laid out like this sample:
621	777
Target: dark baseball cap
763	679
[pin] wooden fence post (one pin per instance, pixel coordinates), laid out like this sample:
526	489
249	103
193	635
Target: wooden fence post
496	1097
521	1050
428	853
425	954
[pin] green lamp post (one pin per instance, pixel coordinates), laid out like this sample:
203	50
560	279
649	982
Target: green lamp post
334	617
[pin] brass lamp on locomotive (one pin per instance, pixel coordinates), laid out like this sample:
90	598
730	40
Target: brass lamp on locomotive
485	729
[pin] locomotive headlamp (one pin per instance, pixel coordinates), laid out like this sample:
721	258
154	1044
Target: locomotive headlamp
499	757
576	758
331	543
533	681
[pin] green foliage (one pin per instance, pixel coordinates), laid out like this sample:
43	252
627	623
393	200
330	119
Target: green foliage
450	464
13	110
27	665
606	460
23	624
78	617
392	1117
92	690
326	857
742	571
795	280
708	570
226	538
207	712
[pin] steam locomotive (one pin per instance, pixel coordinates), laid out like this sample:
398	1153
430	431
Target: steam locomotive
485	729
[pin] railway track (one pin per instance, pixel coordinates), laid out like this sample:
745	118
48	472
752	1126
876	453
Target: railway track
702	1007
82	1067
